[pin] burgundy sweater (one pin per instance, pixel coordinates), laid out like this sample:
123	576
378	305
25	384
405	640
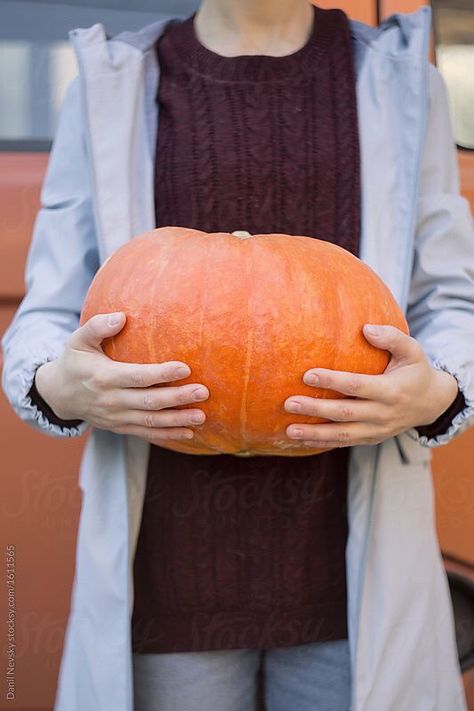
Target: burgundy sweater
232	552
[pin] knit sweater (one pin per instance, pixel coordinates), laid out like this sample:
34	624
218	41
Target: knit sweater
250	552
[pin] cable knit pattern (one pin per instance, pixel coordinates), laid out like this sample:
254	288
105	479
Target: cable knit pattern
287	127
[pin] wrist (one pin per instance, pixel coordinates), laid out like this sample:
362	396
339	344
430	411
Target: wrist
445	386
48	385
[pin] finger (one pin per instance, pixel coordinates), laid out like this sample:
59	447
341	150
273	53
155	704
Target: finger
370	387
402	346
157	435
90	335
165	418
348	435
143	375
159	398
338	410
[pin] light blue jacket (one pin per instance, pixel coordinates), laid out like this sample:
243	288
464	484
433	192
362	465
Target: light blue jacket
417	234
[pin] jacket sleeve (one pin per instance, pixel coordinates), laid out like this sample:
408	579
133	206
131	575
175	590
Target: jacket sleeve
61	262
440	309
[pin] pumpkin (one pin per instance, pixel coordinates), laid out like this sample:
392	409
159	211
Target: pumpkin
249	314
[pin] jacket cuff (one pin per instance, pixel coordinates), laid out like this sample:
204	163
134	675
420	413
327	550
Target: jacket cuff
463	419
47	411
443	422
18	383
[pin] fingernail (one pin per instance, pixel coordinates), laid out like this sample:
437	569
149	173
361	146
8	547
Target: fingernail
181	371
114	319
293	406
311	379
296	432
199	393
372	330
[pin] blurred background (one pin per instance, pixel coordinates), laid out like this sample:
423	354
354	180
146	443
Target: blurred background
40	502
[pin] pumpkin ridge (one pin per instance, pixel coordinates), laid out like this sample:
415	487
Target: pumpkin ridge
249	345
212	244
150	332
339	293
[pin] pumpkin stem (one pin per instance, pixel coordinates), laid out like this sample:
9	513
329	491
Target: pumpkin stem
241	234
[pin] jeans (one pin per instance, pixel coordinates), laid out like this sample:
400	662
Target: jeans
307	677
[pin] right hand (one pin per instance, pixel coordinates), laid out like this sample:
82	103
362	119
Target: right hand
84	383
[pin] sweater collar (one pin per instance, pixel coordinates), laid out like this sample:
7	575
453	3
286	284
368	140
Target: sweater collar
181	46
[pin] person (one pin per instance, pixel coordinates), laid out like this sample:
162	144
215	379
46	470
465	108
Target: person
264	124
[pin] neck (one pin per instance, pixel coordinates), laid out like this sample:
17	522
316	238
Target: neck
270	27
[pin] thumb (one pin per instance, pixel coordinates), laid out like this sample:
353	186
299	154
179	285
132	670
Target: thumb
390	338
94	330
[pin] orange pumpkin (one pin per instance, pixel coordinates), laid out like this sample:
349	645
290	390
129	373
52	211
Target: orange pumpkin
249	315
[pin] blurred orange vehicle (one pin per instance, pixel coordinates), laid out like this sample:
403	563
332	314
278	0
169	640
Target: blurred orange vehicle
40	510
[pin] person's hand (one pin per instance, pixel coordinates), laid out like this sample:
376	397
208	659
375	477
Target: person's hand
409	393
84	383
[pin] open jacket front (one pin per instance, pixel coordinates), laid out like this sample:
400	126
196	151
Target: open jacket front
417	234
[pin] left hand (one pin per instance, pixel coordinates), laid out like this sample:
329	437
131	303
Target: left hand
409	393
